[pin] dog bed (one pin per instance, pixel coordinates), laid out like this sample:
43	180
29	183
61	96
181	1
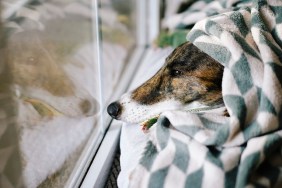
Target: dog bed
199	150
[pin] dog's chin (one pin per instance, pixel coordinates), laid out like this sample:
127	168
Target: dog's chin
137	120
135	113
139	114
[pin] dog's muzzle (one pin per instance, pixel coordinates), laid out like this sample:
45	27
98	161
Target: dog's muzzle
114	110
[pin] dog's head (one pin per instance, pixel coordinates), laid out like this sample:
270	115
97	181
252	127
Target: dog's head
188	79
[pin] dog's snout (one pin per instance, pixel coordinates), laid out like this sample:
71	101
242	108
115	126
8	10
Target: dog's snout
114	109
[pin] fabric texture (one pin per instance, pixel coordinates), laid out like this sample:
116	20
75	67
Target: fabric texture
205	149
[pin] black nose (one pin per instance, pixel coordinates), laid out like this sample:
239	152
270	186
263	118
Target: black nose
114	109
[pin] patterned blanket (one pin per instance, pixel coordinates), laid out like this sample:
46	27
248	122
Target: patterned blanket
208	150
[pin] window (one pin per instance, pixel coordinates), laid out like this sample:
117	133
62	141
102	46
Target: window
62	62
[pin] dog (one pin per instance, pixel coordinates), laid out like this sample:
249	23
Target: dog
189	79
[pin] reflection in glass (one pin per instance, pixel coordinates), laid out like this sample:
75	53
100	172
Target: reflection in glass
50	50
118	39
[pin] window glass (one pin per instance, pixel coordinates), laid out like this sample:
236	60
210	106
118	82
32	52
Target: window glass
61	76
118	39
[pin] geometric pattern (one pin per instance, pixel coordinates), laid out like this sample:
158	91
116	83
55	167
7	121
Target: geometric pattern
204	150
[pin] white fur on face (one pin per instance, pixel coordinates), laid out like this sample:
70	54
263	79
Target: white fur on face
133	112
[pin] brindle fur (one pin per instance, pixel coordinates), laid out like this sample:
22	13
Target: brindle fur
188	75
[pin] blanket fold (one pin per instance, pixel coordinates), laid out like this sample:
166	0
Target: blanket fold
204	150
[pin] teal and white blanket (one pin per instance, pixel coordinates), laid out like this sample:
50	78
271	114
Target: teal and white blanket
243	150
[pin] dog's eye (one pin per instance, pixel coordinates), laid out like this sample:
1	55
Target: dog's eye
176	73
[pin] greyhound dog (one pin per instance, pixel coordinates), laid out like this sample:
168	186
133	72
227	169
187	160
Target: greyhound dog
189	79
